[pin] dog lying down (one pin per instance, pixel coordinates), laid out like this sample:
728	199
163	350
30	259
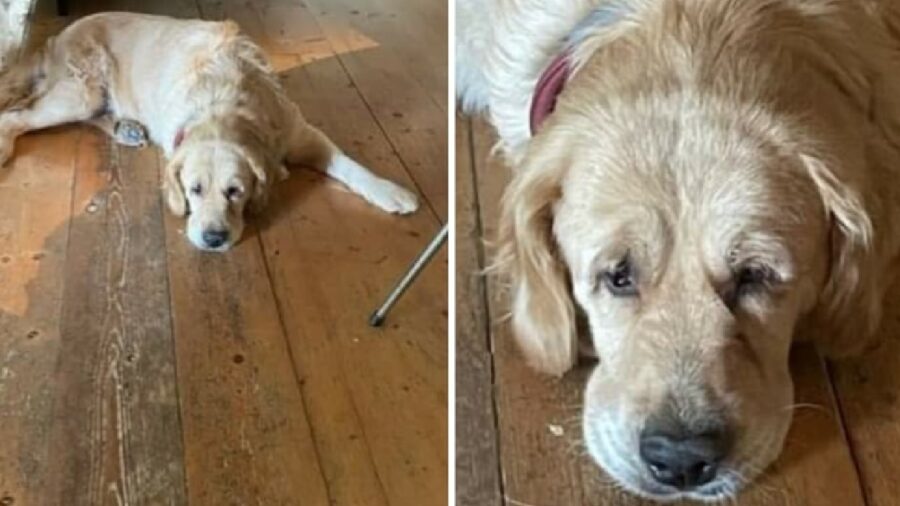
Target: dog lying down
202	92
703	180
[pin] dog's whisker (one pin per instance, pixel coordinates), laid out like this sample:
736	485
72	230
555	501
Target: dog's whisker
807	405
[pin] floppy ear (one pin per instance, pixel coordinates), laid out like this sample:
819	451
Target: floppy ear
265	171
852	297
543	315
265	168
261	187
172	186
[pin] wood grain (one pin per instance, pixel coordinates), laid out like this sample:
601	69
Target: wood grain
477	464
377	399
543	467
247	440
411	36
35	202
116	437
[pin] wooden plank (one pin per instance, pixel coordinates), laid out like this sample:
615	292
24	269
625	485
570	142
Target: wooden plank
116	437
247	440
867	388
377	398
123	436
477	458
412	35
35	204
541	468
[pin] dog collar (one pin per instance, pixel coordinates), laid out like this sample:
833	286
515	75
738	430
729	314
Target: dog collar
555	77
549	86
179	138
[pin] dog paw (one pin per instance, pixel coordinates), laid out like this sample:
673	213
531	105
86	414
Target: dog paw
131	133
392	197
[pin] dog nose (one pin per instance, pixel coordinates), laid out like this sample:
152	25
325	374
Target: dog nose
683	462
215	238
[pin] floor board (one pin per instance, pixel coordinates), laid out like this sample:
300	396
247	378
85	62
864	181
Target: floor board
35	204
246	431
116	435
477	464
383	387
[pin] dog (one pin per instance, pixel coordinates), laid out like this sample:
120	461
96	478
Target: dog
705	182
198	89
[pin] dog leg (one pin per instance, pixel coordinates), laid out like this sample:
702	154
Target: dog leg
66	101
310	147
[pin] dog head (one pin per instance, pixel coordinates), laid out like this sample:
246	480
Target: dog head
692	243
213	181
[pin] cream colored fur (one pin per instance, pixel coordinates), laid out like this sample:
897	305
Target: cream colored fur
172	75
697	139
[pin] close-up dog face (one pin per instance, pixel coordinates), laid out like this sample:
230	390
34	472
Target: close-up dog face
692	252
213	182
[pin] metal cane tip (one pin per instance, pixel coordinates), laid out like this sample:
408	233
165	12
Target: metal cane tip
376	319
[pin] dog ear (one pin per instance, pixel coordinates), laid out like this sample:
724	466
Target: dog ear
260	194
543	316
266	171
852	298
172	188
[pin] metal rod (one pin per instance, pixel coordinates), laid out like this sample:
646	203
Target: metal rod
414	270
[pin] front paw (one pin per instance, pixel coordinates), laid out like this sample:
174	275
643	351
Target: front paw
392	197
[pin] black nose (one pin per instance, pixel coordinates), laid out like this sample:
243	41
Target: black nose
683	462
215	238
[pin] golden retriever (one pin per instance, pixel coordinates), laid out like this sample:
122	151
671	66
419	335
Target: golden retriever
202	92
711	179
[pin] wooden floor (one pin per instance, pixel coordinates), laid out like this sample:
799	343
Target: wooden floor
136	370
844	450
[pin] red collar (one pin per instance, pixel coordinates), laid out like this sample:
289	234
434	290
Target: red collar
179	138
557	74
548	88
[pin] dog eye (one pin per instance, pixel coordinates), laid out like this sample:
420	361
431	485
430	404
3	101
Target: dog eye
748	281
751	277
196	189
620	280
233	192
